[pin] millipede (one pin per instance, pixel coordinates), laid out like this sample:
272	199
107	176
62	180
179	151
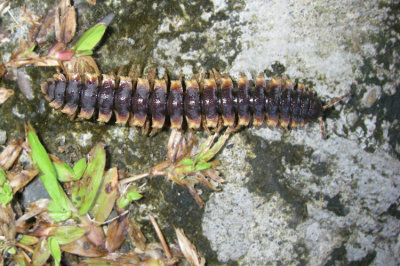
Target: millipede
209	101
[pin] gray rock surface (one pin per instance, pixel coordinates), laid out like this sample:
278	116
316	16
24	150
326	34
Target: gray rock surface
290	197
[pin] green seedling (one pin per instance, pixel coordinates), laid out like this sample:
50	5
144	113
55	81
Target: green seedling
128	197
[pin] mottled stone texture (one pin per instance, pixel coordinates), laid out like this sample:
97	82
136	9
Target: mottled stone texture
290	197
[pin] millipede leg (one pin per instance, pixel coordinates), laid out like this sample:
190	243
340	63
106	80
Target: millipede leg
321	122
338	99
151	76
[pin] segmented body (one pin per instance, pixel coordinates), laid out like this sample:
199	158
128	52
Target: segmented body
208	103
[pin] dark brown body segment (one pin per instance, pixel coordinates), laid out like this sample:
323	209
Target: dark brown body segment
305	105
59	91
48	88
122	100
316	110
140	103
258	105
106	98
175	104
273	100
295	105
210	103
88	96
192	105
227	102
243	99
72	94
158	103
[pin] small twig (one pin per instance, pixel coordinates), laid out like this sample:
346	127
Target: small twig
134	178
108	221
11	15
161	237
28	259
24	247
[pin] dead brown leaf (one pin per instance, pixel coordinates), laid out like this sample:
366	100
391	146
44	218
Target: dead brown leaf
137	236
83	247
96	235
34	209
3	69
46	27
116	233
130	258
5	94
20	179
7	226
65	21
10	154
188	250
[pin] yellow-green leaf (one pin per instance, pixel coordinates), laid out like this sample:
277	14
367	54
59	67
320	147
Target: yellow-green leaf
67	234
28	240
186	162
41	253
108	193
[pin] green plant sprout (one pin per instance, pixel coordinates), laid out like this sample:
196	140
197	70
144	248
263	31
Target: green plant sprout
187	169
93	194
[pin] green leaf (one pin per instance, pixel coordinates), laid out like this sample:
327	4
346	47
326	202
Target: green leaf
83	53
92	178
3	177
128	197
12	250
207	154
67	234
203	166
43	163
57	213
5	194
79	169
56	193
55	250
108	193
90	38
64	171
39	155
32	48
186	162
28	240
